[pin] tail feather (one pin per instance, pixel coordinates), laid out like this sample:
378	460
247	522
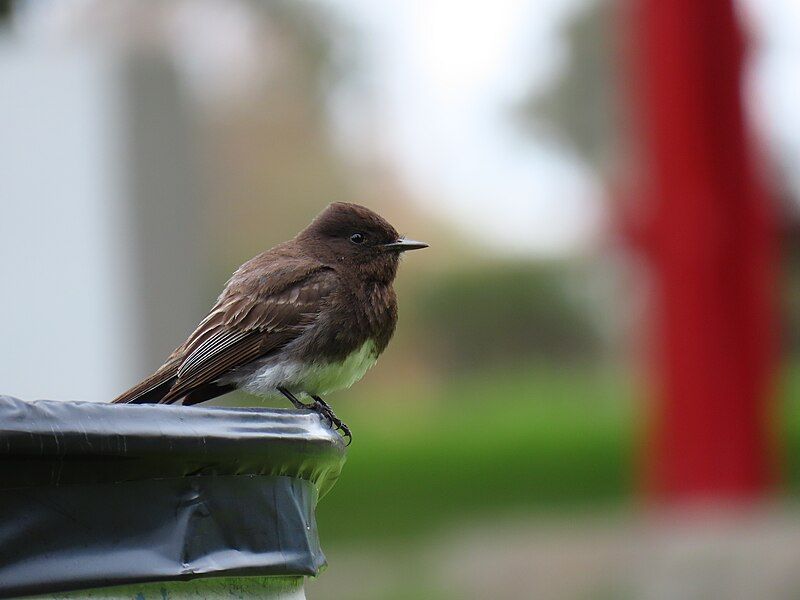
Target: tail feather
156	389
145	394
152	389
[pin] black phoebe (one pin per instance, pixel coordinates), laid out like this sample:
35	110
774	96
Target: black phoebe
305	318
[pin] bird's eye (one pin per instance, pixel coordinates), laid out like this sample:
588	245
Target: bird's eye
358	238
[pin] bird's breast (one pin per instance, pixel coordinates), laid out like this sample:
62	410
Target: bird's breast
317	376
326	377
380	314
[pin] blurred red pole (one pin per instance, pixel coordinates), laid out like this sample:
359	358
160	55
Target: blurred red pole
712	248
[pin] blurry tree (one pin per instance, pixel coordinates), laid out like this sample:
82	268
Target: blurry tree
582	106
271	158
790	274
505	315
6	7
585	106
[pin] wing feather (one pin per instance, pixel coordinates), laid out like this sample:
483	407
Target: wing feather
263	311
245	326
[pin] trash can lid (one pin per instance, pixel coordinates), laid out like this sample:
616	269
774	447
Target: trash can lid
98	443
95	495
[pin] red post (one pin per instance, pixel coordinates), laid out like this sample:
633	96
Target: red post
711	242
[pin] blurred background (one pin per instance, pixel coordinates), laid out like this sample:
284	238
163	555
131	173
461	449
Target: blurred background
512	442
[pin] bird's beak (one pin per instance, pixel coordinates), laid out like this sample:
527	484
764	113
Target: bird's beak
403	244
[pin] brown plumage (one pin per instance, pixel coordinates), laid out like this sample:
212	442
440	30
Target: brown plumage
293	319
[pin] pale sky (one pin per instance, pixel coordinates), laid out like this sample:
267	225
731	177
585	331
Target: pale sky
775	90
442	75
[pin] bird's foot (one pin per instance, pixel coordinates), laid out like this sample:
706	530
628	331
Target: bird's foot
324	409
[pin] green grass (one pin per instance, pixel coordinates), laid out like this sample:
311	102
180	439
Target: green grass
232	588
789	429
513	441
522	441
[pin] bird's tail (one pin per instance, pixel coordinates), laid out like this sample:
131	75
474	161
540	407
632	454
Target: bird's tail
153	389
157	389
150	391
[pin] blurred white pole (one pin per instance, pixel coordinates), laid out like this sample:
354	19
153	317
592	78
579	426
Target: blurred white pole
100	249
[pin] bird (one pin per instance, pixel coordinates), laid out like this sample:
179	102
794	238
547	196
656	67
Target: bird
303	319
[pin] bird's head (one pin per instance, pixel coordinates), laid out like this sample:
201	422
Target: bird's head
355	235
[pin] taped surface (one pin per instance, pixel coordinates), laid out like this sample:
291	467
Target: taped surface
95	495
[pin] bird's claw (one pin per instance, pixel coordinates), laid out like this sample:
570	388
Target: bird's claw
321	407
341	426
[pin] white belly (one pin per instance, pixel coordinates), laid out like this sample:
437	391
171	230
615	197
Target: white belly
309	378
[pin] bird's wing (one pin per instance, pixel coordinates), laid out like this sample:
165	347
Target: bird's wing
244	325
